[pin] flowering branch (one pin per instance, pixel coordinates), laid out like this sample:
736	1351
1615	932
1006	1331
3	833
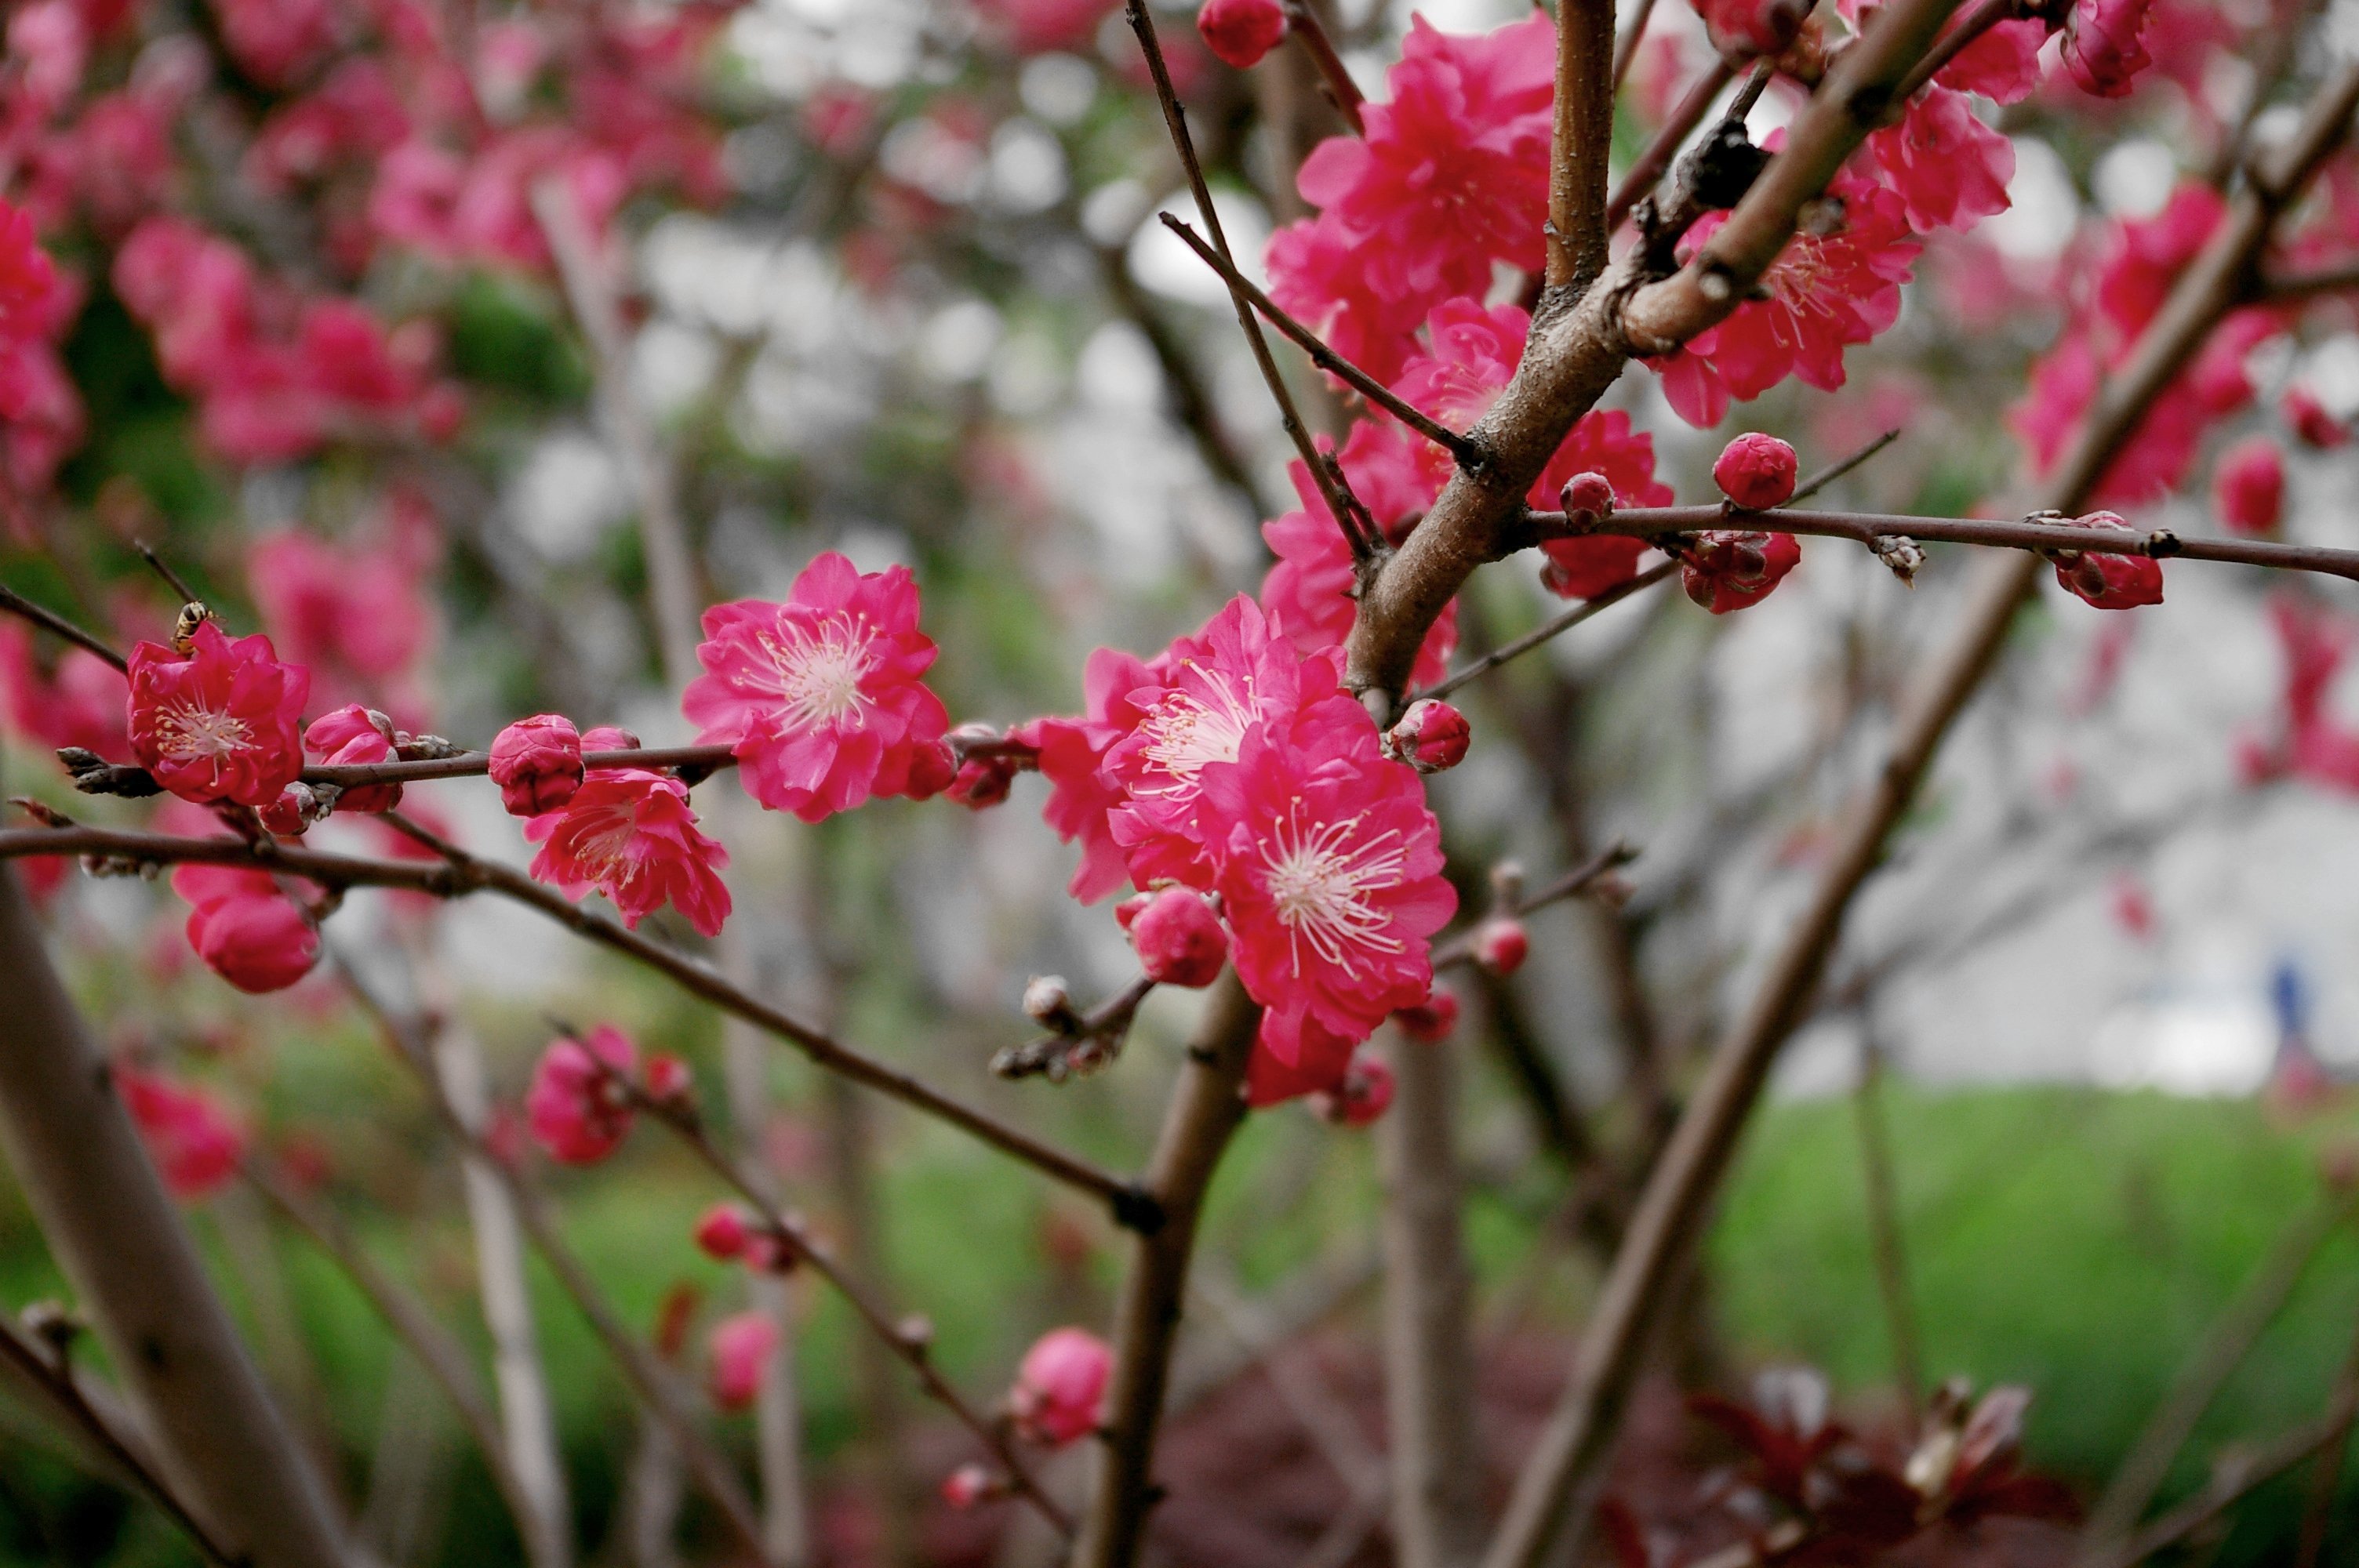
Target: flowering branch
1582	878
909	1338
2286	288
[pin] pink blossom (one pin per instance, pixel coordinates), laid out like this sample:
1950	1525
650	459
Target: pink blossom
537	762
578	1107
2105	45
1730	569
276	41
1330	876
1949	169
629	833
194	1139
1756	471
1825	293
1241	31
220	722
1308	1059
1036	26
1180	939
820	697
1362	1096
1307	594
245	928
2105	580
2248	486
2002	65
81	702
1431	736
741	1347
1752	27
355	736
1429	1020
1080	800
1059	1387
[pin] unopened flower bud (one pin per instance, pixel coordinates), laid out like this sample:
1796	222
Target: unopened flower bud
982	782
1431	1020
723	1233
2248	486
537	762
2311	423
1729	569
968	1485
1587	498
1180	941
741	1348
1431	737
1046	1000
1501	945
2104	579
1756	471
932	769
1129	908
295	809
1241	31
1364	1094
667	1078
610	738
1060	1385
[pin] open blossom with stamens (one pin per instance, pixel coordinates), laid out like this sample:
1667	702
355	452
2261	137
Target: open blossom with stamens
223	721
1330	878
629	833
191	1135
1205	694
819	698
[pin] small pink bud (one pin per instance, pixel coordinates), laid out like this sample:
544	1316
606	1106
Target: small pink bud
1432	1020
1180	941
575	1107
1756	471
967	1486
537	762
668	1077
1587	498
295	809
723	1233
1431	737
1727	569
741	1347
2310	421
932	769
610	738
1365	1093
2248	486
1501	943
1060	1385
2109	581
982	782
1242	31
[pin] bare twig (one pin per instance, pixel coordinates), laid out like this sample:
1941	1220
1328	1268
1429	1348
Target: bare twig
1460	950
163	569
1334	80
1813	483
1625	47
1884	1220
16	604
1553	627
2326	1474
1655	159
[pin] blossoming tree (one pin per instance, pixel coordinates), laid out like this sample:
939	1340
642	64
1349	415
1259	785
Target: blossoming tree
295	234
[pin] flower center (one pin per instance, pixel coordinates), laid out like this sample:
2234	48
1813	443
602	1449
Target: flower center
605	848
187	730
1319	881
1185	732
816	671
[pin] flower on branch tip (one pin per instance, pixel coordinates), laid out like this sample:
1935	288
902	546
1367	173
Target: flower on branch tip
741	1347
1727	569
191	1135
579	1105
820	698
1180	941
721	1233
355	736
223	721
1756	471
292	813
1060	1387
1242	31
2105	580
1949	169
1431	1020
968	1485
1501	943
1431	736
629	833
245	928
2105	45
537	762
1364	1094
2248	486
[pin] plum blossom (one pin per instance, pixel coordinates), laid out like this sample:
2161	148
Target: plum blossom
1730	569
1330	878
820	698
1060	1387
194	1139
1756	471
2105	45
721	1234
1501	943
221	721
741	1347
1431	1020
2105	580
579	1108
355	736
1431	736
1362	1096
2248	486
81	702
1308	593
246	930
629	833
1949	169
537	762
1752	27
1241	31
1180	939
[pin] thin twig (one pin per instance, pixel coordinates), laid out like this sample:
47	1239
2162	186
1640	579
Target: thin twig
2240	1475
2286	288
1302	21
1883	1220
1625	47
1826	476
163	569
50	621
1460	950
1655	159
1552	628
2326	1476
1175	119
1326	358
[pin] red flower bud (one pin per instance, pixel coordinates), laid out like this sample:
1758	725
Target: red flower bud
537	762
741	1347
1587	498
2105	45
1501	943
1431	737
2248	486
1725	569
295	809
247	931
1365	1093
1127	912
577	1110
668	1077
1431	1020
1756	471
932	769
1242	31
982	782
1060	1385
723	1233
1180	941
967	1486
2108	581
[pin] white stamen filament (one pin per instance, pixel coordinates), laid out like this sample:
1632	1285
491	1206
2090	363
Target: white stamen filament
1319	881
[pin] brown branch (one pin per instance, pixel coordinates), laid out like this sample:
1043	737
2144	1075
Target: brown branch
890	1328
688	760
463	873
1364	546
1625	47
2241	1475
1191	399
1813	483
2238	1328
163	569
2326	1474
1985	15
1654	160
1334	80
1555	627
1460	950
1557	1485
1206	1109
1322	356
225	1447
1581	141
2029	533
16	604
2284	288
51	1374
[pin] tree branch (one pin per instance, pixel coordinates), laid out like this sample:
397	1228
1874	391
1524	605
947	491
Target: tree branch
1553	627
1581	141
